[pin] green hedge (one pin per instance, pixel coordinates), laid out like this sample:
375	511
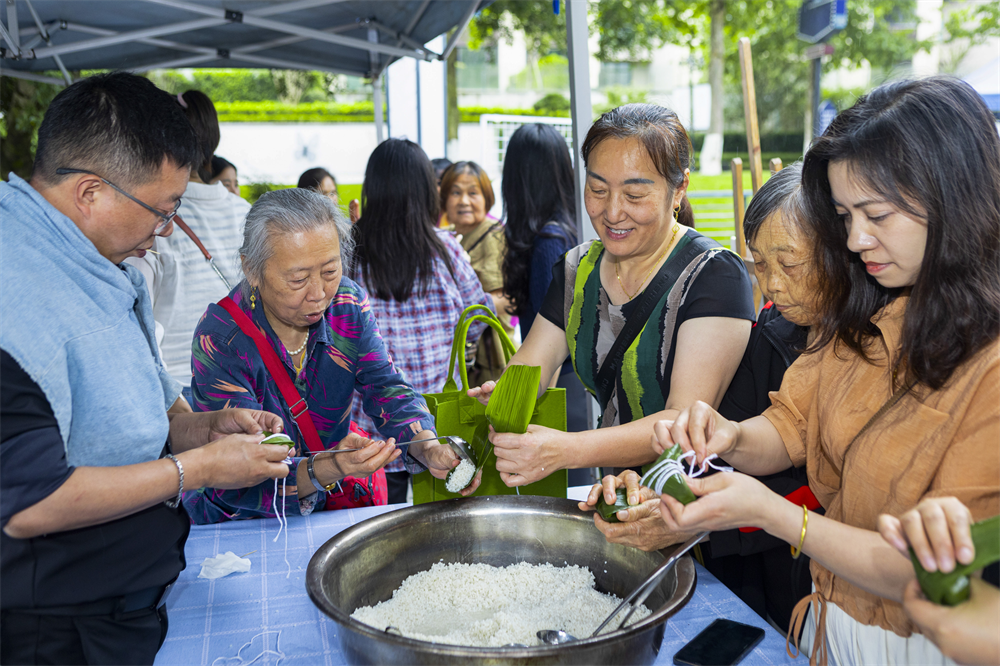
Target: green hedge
334	112
280	112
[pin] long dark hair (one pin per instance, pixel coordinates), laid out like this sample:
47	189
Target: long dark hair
537	190
661	134
930	147
396	240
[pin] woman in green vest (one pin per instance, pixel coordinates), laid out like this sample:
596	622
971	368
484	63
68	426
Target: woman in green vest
700	310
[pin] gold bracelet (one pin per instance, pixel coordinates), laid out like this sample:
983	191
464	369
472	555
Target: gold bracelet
802	539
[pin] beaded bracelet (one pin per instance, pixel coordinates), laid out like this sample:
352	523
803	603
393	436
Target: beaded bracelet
802	539
174	503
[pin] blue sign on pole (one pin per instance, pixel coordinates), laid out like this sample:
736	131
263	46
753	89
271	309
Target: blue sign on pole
827	112
818	19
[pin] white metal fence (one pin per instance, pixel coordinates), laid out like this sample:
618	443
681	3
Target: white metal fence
495	133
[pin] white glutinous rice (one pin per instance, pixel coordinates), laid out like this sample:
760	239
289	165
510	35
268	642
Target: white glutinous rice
485	606
461	476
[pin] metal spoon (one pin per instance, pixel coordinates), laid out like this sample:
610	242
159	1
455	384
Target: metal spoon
555	636
639	595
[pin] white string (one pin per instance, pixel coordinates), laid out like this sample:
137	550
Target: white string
282	518
248	649
667	468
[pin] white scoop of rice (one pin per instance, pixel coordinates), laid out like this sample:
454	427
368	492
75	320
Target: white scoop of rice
461	476
484	606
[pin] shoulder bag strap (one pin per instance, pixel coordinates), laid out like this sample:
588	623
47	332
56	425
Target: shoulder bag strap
297	406
479	240
665	277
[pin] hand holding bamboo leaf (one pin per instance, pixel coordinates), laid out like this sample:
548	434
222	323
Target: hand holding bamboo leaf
522	456
944	546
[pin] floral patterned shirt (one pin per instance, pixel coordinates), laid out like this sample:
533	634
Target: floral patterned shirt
345	352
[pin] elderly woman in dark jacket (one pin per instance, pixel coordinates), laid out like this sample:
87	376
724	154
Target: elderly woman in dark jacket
755	565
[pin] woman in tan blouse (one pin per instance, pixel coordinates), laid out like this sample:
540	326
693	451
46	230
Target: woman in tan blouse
900	398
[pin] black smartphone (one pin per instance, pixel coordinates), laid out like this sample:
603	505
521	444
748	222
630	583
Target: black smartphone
722	643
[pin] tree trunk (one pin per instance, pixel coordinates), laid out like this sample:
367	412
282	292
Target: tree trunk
711	152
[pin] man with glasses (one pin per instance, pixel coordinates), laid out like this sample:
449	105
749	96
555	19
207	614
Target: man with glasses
91	465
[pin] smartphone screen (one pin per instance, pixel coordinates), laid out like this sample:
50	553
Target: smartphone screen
722	643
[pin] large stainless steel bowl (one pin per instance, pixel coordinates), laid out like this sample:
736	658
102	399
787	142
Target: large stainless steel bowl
364	564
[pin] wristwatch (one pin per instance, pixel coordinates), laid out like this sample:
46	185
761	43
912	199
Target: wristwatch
312	477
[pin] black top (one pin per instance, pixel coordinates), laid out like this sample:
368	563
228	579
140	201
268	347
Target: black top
133	553
546	250
718	287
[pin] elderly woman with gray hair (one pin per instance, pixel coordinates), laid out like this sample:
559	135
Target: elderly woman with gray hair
297	338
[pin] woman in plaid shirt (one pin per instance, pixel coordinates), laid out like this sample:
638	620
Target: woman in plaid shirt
417	277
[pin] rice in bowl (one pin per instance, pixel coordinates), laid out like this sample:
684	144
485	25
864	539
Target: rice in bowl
480	605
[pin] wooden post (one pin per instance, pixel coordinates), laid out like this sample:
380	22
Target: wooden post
775	165
750	114
736	167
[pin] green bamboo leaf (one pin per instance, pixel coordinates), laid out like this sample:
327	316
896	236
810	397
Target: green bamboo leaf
665	476
513	400
277	438
951	589
609	512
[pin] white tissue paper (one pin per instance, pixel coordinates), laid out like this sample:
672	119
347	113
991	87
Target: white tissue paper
223	565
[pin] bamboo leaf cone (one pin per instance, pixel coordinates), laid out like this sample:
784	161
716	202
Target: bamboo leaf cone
951	589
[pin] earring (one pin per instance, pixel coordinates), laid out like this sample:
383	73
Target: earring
677	210
253	299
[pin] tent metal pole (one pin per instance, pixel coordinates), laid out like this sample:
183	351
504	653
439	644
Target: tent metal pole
177	46
38	39
285	41
401	38
469	13
309	33
29	76
12	26
286	7
10	41
582	110
44	34
577	35
318	35
123	37
376	88
416	18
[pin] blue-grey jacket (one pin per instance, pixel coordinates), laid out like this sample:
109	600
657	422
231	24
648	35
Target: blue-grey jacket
82	328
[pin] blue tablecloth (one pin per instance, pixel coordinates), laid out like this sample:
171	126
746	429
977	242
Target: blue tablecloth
265	616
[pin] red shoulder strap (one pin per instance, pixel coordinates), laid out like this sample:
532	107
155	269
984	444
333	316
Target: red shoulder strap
296	404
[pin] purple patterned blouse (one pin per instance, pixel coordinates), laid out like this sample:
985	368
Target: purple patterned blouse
345	353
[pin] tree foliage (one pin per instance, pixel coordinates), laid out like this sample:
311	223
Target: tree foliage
23	105
878	33
626	29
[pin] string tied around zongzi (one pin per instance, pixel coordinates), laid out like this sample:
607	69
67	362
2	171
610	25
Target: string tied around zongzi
667	474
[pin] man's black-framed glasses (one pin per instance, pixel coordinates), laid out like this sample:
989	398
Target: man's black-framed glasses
165	218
